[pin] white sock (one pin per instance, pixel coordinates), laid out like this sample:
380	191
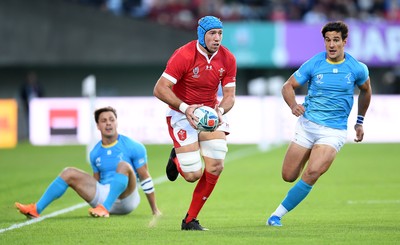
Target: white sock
280	211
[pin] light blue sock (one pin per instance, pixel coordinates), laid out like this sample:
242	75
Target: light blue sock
117	186
295	195
55	190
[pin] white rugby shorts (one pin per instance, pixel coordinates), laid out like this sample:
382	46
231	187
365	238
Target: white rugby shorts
182	133
308	133
120	206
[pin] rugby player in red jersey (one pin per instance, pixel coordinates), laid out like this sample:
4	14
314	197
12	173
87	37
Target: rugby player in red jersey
191	79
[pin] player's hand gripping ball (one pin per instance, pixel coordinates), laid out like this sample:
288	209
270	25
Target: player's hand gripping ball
208	118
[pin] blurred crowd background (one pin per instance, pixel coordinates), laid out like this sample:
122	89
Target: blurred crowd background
50	46
185	13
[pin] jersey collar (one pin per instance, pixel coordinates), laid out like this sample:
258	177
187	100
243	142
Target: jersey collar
204	53
335	63
110	145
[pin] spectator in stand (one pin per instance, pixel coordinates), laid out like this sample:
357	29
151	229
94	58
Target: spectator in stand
184	13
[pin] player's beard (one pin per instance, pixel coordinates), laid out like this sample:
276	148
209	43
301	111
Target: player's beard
109	134
212	50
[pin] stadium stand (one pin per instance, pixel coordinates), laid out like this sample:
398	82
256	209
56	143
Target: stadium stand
184	13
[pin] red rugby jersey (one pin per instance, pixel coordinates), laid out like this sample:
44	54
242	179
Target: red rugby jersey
197	76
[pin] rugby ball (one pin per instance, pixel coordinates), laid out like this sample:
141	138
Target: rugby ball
208	118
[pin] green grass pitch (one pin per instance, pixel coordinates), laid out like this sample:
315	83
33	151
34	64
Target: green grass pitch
356	202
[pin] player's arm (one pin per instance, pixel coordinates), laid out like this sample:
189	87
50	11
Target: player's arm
227	102
364	99
138	157
288	93
163	91
228	98
147	185
96	176
96	173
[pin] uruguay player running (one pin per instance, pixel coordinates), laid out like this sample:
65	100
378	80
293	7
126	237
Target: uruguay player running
321	130
116	160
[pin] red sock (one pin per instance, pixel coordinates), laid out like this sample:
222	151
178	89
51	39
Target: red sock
201	193
178	166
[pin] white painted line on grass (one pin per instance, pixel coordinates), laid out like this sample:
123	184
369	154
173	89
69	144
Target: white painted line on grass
159	180
361	202
32	221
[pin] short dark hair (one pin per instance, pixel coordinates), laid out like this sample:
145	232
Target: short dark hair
337	26
103	109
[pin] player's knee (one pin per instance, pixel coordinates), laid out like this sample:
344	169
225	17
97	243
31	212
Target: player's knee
219	168
215	149
69	174
289	177
124	168
216	167
192	176
311	176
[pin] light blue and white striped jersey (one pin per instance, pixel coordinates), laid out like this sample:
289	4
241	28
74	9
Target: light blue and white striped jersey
330	88
105	159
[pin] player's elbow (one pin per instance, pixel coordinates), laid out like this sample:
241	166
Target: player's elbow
156	92
160	90
287	88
